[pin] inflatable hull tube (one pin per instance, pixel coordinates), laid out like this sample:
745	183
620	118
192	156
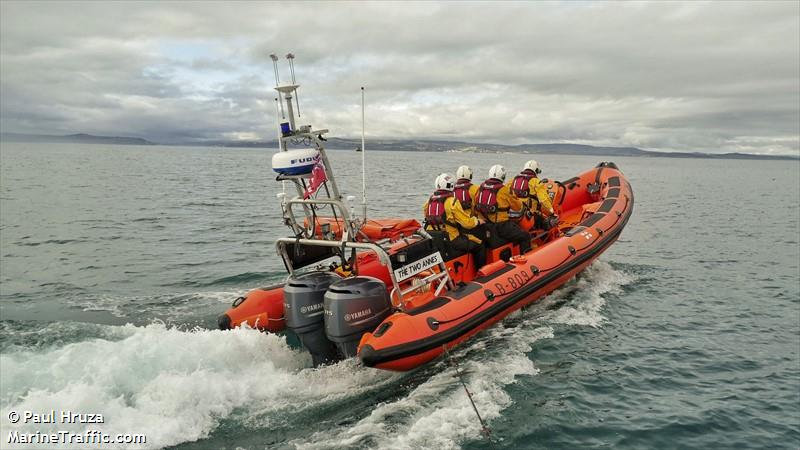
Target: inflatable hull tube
260	308
414	337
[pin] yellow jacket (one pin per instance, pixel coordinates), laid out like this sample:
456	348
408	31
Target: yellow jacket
473	193
505	201
455	215
538	192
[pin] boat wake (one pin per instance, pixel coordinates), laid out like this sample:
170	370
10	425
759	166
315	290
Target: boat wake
177	386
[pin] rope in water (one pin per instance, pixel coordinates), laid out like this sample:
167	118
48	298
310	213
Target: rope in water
484	429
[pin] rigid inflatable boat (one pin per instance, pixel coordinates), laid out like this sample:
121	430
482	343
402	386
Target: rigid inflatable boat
395	295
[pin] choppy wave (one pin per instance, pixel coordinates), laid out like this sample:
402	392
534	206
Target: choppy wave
173	386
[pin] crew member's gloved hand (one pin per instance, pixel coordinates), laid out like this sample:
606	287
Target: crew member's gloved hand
552	221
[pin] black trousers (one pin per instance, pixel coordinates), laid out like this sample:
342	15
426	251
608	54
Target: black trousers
463	244
479	232
511	231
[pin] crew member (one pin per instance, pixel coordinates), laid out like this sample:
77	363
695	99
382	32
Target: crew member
464	191
528	187
444	213
493	203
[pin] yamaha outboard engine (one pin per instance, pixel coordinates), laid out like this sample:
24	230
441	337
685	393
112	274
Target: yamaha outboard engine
303	298
354	306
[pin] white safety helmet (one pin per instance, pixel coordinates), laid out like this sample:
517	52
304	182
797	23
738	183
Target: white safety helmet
445	181
497	171
533	166
464	172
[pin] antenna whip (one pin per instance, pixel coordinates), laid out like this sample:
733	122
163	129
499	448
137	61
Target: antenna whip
274	59
363	160
290	57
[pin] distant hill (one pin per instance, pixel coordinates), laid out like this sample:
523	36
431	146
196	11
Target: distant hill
466	147
410	145
80	138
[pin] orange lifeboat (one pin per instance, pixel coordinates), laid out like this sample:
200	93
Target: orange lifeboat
592	208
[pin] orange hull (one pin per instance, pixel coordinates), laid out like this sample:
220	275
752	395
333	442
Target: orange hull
260	308
593	220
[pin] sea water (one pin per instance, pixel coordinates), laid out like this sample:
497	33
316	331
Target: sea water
116	261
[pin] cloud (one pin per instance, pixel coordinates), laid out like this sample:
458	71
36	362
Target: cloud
694	76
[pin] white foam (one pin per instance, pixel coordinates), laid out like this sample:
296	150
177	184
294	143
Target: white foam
586	307
173	386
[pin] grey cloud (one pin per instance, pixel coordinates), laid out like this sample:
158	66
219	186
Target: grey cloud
671	76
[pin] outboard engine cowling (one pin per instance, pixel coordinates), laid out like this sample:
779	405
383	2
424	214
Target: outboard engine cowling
354	306
303	302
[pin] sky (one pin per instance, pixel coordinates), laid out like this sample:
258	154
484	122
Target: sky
670	76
